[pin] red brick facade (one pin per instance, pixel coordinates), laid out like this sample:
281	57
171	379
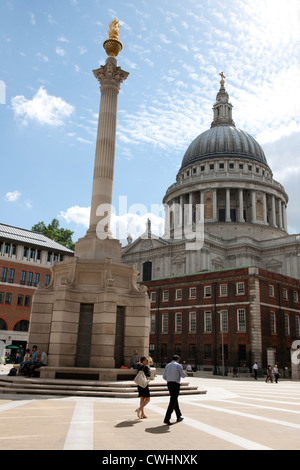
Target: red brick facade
186	313
14	308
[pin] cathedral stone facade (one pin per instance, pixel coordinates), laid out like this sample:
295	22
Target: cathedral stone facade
225	229
225	210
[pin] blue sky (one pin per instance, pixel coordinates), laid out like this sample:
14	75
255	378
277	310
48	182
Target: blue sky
174	51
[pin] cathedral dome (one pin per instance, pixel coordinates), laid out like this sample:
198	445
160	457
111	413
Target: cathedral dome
223	141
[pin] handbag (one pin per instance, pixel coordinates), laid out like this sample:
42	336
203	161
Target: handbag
140	379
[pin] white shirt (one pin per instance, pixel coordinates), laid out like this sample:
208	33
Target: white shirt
173	372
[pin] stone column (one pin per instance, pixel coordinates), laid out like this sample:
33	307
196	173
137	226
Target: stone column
265	208
273	214
228	219
253	206
280	214
215	205
241	205
98	242
110	77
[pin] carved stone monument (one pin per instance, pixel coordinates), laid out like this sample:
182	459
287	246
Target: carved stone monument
93	314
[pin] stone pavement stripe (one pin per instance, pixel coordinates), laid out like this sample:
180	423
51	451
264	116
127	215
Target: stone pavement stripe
246	415
270	400
253	405
81	431
216	432
14	404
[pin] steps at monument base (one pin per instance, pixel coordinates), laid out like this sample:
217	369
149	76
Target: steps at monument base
60	387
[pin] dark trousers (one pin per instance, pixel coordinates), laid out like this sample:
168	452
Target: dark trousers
32	368
174	389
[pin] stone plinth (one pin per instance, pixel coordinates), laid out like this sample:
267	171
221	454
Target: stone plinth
92	314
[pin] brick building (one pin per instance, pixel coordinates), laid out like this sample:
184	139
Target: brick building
232	317
26	258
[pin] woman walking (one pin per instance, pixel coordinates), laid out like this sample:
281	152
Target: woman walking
144	393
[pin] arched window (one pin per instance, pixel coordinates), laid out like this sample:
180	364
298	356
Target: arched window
3	325
22	325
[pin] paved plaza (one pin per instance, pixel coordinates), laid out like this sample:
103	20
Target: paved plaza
234	414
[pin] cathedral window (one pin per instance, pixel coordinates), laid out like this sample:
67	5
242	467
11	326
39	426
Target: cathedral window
271	290
241	320
223	290
240	288
287	324
273	323
178	294
165	296
193	292
192	322
207	291
164	323
178	322
207	322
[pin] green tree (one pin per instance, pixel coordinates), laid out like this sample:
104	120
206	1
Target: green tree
55	232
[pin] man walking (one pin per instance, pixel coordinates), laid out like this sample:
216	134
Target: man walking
255	370
172	374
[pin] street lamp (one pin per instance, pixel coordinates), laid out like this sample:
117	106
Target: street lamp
221	325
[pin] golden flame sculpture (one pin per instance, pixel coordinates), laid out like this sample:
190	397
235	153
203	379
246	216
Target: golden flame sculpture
112	45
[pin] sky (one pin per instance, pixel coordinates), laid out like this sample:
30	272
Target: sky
174	51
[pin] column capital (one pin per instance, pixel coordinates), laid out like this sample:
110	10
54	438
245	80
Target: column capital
110	75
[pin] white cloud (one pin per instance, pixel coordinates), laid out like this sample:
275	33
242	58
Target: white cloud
76	214
12	196
60	51
42	57
43	108
32	18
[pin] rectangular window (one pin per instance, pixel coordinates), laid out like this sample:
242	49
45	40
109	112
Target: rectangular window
192	351
27	301
164	323
49	257
240	288
178	322
192	322
273	323
295	296
193	292
1	297
207	322
11	274
271	290
23	278
25	252
207	351
165	296
20	299
287	324
224	320
241	319
152	323
32	253
47	280
3	274
207	291
36	279
223	290
178	349
7	248
242	353
8	298
153	296
178	295
29	279
285	294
